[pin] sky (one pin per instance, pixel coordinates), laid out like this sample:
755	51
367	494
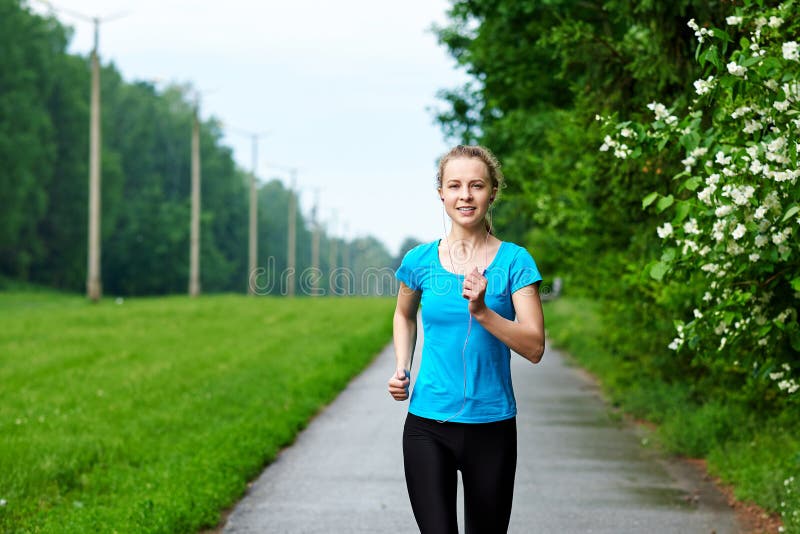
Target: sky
344	92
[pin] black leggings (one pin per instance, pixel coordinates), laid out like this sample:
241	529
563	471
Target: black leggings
486	455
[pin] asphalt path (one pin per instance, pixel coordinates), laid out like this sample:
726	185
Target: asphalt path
580	469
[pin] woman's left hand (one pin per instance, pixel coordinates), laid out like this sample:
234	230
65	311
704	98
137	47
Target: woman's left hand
474	291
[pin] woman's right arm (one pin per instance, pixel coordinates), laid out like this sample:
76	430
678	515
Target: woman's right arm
405	339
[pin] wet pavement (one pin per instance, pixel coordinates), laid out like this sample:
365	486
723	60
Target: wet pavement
580	470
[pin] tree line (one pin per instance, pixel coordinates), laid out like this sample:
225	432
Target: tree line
44	147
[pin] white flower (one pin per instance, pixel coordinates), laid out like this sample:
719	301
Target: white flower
792	90
721	328
790	51
775	376
733	21
702	87
776	144
699	151
659	109
775	22
664	231
781	106
622	151
626	132
716	230
707	297
761	240
736	69
734	249
721	159
697	313
705	195
752	126
691	227
739	231
676	343
740	111
741	195
754	257
723	210
698	31
760	212
3	502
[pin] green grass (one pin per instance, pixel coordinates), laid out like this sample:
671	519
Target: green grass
759	456
151	415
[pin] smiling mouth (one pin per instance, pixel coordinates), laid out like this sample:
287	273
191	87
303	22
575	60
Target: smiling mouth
466	209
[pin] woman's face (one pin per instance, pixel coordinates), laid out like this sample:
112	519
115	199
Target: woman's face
467	191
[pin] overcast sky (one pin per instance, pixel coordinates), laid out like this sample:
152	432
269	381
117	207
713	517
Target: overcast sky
344	90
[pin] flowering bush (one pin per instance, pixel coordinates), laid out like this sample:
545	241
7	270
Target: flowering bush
734	210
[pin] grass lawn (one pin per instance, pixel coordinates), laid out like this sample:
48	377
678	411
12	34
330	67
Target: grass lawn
151	415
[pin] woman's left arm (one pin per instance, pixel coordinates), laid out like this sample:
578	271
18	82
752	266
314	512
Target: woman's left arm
525	335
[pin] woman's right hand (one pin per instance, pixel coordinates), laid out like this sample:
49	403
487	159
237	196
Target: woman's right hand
398	384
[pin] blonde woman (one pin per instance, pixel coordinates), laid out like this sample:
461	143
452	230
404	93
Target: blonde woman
480	301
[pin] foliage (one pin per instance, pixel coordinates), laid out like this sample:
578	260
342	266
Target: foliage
99	426
733	209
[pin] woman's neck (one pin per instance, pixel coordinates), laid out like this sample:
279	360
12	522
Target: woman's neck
474	237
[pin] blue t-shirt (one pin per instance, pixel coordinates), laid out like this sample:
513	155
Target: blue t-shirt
439	389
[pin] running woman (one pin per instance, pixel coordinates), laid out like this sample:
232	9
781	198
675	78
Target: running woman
480	300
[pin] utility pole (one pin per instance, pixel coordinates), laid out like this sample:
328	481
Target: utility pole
346	255
315	244
292	238
194	239
253	248
332	260
94	288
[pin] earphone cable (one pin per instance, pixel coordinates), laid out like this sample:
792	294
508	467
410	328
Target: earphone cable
469	324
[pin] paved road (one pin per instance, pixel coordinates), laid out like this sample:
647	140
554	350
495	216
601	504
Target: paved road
579	471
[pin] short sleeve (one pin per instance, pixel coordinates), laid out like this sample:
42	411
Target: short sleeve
408	272
524	271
